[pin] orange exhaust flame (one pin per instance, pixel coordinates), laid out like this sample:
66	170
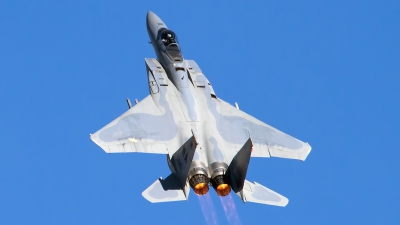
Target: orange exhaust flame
223	190
199	183
201	189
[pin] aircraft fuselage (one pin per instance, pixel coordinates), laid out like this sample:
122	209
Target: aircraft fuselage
166	46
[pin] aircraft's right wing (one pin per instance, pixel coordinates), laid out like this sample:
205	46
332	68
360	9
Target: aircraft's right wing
143	128
235	125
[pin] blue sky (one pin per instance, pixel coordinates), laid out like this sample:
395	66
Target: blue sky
326	72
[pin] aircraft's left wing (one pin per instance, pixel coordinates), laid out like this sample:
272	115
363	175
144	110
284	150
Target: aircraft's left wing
143	128
235	125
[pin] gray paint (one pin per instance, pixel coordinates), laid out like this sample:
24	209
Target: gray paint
216	152
189	101
136	125
220	129
155	193
261	194
237	169
132	126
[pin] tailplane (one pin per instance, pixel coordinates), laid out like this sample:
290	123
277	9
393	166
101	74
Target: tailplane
175	187
167	190
257	193
248	191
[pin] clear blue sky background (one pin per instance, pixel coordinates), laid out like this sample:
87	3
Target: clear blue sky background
326	72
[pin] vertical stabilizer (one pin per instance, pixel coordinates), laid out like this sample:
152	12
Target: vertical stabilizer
181	161
237	170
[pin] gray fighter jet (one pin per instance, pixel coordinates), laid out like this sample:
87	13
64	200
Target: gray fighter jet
207	141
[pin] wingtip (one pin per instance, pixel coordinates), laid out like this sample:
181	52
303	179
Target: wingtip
306	151
285	201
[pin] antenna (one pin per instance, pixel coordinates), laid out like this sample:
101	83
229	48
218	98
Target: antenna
129	102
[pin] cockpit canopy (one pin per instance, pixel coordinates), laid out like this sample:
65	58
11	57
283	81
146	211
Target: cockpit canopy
168	37
169	42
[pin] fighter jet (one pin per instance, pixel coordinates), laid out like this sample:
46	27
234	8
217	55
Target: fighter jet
207	141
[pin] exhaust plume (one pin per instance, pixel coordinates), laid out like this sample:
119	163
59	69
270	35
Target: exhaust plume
230	210
208	210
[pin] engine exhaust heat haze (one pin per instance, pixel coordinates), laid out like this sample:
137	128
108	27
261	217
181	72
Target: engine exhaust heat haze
208	210
230	210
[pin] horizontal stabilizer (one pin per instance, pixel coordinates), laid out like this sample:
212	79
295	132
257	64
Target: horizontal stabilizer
167	190
257	193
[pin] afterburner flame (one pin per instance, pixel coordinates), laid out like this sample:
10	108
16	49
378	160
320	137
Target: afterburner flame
223	189
200	186
199	183
201	189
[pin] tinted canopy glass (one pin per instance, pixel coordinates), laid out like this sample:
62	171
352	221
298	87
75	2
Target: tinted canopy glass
168	37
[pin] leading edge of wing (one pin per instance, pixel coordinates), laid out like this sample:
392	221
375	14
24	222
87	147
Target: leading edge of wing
143	128
235	126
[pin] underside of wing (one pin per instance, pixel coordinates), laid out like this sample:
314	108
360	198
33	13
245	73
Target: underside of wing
143	128
235	126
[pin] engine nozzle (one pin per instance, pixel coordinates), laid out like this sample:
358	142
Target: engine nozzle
199	183
198	178
220	185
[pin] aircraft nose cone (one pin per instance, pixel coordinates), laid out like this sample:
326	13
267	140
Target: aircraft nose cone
154	23
153	19
150	17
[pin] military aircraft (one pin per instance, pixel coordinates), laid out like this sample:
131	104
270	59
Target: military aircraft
207	141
